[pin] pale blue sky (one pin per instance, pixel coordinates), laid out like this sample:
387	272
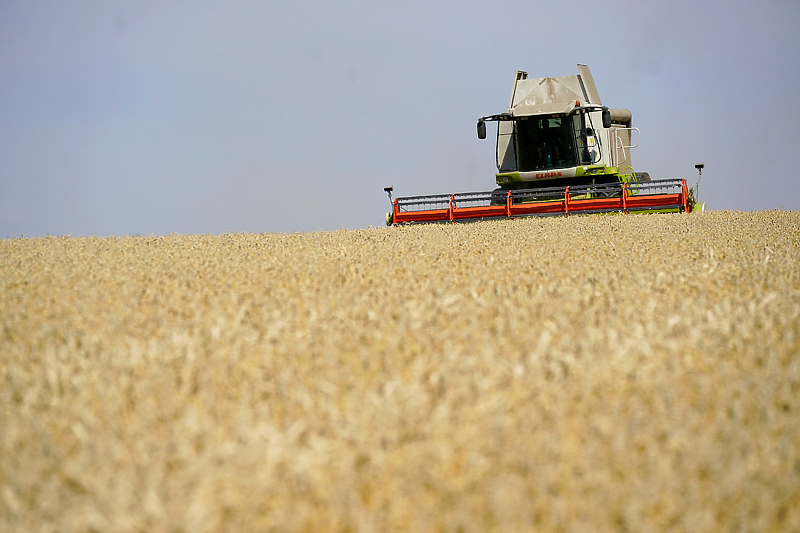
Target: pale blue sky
125	118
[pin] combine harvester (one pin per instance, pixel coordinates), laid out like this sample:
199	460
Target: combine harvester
559	151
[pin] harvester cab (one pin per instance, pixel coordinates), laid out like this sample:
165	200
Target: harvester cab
557	132
559	151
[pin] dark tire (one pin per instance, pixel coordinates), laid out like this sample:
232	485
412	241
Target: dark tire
499	197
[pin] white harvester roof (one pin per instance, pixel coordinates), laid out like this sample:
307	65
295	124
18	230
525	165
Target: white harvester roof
544	96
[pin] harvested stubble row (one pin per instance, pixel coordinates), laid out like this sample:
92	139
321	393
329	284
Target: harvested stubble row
608	373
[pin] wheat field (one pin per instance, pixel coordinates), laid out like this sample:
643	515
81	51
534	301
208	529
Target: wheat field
600	373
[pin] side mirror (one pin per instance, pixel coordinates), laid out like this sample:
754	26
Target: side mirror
606	118
481	129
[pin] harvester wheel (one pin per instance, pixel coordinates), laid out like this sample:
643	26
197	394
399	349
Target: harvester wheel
498	197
